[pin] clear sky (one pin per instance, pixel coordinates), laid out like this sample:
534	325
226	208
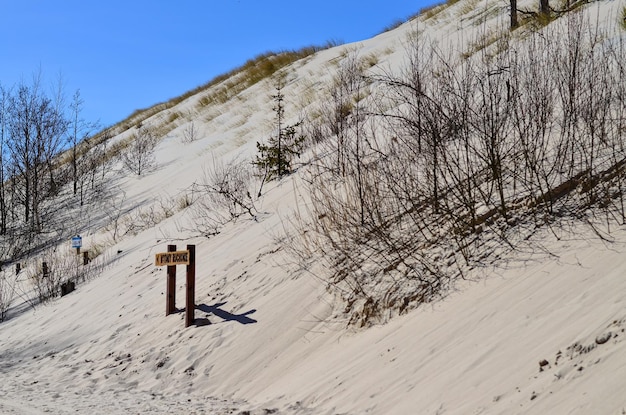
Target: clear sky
127	55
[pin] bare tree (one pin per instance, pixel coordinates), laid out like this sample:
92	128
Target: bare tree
492	125
79	130
532	90
36	126
346	119
514	22
544	7
618	131
4	98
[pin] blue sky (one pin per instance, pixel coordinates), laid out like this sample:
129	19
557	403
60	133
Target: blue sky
126	55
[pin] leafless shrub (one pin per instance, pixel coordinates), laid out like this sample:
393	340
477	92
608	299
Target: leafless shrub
138	157
481	153
7	295
147	217
185	200
57	267
114	210
224	195
190	133
46	276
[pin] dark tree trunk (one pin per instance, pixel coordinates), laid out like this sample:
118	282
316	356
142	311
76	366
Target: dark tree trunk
544	7
514	22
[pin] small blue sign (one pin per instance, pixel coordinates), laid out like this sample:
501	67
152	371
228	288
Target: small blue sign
77	241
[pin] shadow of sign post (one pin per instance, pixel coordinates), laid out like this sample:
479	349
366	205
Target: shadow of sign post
217	311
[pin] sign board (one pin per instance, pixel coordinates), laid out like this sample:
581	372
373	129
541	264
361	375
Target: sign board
77	242
172	258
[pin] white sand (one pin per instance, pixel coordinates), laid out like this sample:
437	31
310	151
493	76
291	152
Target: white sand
269	339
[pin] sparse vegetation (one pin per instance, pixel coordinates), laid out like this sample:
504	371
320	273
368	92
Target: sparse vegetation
185	201
190	133
467	7
485	41
138	156
147	217
252	71
371	60
470	167
399	22
7	295
174	116
449	160
223	196
433	11
57	271
35	174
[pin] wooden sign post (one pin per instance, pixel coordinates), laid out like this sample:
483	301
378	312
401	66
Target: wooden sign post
171	258
190	307
170	306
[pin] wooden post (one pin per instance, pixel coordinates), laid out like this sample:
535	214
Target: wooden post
191	286
85	257
170	306
44	270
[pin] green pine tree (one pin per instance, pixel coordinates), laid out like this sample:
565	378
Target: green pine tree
274	158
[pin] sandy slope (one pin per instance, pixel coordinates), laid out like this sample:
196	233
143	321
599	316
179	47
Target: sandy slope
270	338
